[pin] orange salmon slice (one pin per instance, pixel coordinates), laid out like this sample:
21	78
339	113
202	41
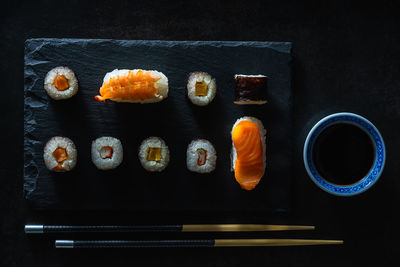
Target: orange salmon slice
60	155
249	167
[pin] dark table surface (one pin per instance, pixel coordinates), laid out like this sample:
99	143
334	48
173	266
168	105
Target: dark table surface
346	58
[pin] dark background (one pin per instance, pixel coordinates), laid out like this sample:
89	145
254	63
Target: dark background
346	58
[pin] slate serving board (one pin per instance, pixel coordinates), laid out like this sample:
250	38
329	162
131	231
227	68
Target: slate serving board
176	120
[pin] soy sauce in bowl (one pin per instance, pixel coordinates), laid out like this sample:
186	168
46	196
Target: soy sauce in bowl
343	153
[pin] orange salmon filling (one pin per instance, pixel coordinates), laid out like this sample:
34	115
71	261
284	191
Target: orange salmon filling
60	155
61	83
106	152
249	161
202	157
134	85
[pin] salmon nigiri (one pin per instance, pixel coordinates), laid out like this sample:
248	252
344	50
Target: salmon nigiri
134	86
248	151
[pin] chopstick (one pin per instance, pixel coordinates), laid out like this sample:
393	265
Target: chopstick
41	229
192	243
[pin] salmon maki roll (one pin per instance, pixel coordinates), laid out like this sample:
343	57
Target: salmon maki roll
201	156
61	83
248	151
134	86
107	153
60	154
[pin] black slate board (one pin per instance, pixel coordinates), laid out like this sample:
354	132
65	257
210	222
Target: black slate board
175	119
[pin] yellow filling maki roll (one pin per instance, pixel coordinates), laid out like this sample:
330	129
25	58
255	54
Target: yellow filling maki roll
201	88
154	154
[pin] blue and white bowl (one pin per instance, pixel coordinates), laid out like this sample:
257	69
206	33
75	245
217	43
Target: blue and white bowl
370	178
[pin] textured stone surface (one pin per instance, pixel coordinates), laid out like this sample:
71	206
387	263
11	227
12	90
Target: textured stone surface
175	119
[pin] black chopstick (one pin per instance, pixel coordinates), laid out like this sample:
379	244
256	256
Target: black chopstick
41	229
210	243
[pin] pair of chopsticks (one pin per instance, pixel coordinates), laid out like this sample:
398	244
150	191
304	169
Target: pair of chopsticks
42	229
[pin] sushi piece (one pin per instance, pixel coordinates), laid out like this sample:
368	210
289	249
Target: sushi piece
134	86
61	83
248	151
201	156
250	89
107	153
201	88
154	154
60	154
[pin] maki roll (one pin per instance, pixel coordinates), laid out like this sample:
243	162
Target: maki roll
134	86
107	153
154	154
248	151
201	156
250	89
60	154
61	83
201	88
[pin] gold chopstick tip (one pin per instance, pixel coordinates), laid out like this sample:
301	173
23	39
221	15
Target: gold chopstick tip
242	227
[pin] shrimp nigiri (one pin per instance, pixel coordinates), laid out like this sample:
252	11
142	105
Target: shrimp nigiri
134	86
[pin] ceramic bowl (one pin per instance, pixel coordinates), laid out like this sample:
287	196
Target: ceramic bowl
370	178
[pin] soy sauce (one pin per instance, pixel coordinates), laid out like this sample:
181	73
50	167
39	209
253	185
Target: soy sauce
343	153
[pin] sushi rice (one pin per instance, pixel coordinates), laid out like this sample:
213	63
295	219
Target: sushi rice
107	153
69	78
201	156
67	148
153	165
201	77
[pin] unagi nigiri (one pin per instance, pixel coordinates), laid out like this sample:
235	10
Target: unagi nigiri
248	151
134	86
